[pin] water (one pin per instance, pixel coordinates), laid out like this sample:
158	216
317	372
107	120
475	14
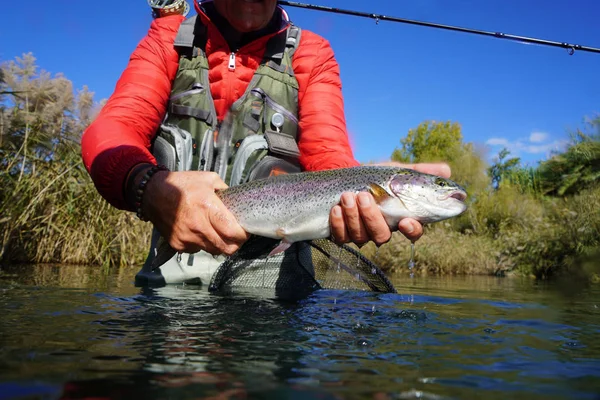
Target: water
77	332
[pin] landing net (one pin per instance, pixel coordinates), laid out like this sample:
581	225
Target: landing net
311	265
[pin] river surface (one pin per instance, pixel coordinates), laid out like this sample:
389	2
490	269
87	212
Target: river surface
69	332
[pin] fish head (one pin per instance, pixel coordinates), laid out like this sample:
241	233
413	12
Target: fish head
426	198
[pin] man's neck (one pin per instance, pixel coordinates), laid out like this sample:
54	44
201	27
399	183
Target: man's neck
234	38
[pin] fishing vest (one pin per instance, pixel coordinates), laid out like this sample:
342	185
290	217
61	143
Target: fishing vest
258	135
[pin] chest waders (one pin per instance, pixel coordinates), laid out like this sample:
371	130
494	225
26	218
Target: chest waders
257	137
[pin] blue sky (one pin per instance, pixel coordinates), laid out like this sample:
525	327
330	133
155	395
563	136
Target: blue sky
395	76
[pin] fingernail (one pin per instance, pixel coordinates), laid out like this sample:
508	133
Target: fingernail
348	201
364	199
337	212
407	227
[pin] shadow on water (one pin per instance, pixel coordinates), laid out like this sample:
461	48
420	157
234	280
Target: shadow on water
76	332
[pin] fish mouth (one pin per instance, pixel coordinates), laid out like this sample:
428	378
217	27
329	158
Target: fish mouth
458	195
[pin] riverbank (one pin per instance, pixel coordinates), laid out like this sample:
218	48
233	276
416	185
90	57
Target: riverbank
54	215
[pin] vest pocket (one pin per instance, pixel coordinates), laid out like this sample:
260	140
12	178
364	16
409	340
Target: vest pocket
274	115
173	147
248	152
253	161
272	166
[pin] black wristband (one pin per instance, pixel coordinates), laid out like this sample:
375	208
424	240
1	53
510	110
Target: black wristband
141	189
129	187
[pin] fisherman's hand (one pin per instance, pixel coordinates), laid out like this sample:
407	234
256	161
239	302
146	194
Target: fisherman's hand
184	208
358	219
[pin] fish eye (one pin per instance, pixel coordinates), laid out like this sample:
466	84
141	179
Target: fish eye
441	182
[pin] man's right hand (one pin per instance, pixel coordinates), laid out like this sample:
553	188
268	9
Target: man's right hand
184	208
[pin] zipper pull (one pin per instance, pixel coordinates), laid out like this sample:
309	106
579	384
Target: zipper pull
232	61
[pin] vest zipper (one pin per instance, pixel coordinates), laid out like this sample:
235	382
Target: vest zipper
258	92
232	70
232	61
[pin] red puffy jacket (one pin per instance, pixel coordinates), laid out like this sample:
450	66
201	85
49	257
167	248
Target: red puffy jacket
120	136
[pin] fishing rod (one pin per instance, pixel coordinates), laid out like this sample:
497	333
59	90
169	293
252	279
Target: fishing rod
498	35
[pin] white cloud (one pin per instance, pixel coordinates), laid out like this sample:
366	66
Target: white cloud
538	137
497	142
536	143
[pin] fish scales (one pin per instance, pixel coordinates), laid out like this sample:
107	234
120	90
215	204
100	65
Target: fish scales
285	196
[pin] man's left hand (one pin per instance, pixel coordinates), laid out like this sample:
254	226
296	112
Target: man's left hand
358	219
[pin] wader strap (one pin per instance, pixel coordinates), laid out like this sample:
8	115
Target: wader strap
191	37
276	46
287	40
293	39
187	111
185	35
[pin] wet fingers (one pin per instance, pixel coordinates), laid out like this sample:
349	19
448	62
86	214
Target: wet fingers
373	220
338	226
354	224
411	229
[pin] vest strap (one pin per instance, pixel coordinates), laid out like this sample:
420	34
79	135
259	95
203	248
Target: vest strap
203	115
185	35
191	37
286	40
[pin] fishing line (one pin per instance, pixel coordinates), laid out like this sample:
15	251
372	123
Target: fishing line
571	48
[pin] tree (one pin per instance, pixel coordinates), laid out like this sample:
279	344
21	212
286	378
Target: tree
578	167
430	141
502	168
443	142
43	119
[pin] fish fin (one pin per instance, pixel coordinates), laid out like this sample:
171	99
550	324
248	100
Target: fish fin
378	192
281	247
306	225
164	252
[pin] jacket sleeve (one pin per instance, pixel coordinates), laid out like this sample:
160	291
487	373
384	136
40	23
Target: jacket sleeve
120	136
323	138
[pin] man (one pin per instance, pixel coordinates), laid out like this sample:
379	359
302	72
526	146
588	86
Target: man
222	83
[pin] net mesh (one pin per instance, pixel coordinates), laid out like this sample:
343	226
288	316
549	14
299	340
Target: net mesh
317	264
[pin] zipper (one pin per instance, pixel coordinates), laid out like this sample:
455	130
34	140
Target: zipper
232	61
231	70
196	88
258	92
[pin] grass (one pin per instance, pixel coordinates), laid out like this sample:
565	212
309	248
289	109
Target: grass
53	213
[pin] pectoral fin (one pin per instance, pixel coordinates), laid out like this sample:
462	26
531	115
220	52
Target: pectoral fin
281	247
380	194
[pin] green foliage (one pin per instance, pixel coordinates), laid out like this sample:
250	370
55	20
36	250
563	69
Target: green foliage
510	172
502	167
577	168
430	141
443	142
553	240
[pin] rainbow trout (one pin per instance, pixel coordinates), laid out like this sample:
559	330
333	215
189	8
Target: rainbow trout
295	207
